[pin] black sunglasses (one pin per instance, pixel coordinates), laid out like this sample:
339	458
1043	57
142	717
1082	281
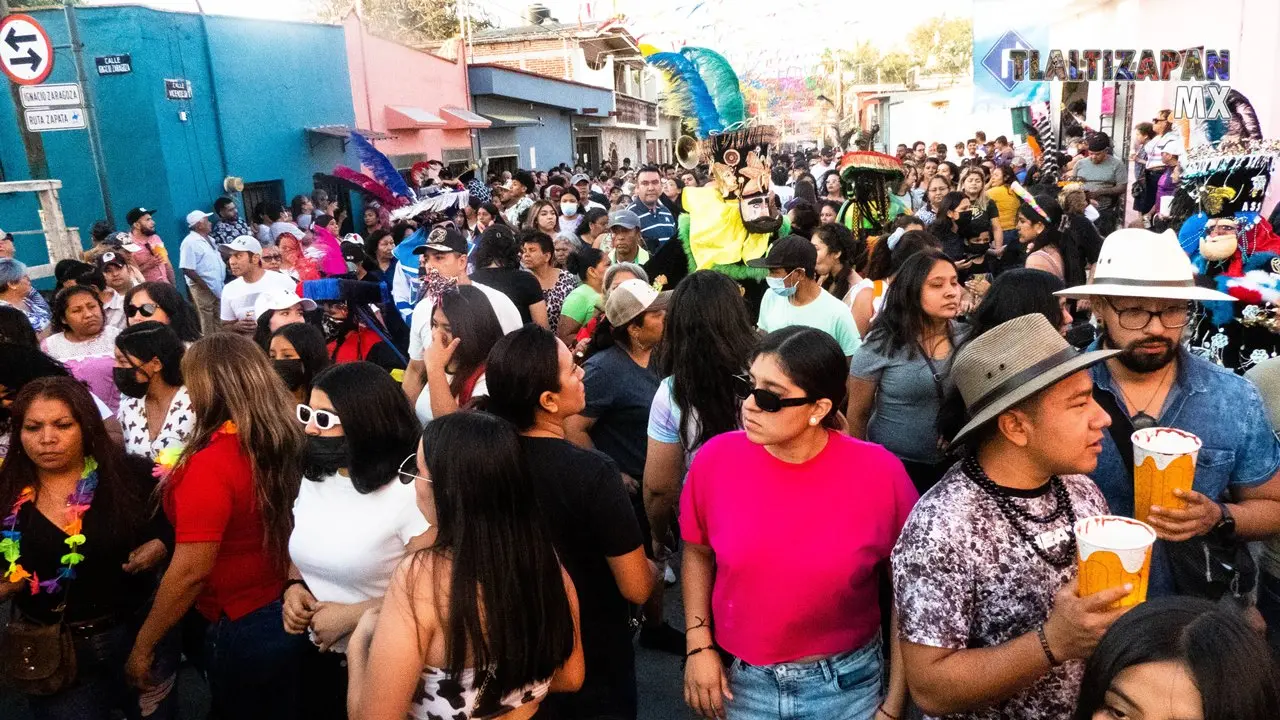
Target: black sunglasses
147	310
767	400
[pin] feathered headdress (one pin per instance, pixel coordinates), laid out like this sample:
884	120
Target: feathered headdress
389	188
722	84
687	93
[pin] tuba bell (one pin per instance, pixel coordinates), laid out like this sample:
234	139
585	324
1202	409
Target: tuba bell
688	152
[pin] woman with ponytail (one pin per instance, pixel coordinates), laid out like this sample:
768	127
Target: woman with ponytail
1048	248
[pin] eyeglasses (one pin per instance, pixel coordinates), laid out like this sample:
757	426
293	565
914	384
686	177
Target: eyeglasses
146	309
1222	229
407	468
270	258
1138	318
769	401
324	419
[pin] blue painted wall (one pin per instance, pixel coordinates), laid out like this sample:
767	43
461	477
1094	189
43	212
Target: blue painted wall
552	139
271	80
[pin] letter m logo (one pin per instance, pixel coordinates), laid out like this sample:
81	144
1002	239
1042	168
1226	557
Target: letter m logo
1189	102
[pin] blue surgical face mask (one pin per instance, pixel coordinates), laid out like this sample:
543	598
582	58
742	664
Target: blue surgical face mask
779	285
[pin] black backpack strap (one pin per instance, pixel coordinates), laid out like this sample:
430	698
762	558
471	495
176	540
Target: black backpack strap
1121	428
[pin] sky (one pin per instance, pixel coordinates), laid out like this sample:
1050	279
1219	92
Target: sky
758	37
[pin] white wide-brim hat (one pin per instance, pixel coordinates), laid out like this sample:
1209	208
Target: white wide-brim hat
1140	263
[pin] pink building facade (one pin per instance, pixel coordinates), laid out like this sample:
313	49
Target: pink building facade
421	99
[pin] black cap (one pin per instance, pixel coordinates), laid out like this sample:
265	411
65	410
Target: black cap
443	239
110	258
135	214
352	252
792	251
524	177
1099	141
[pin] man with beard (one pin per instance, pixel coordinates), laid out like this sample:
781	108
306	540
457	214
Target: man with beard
1142	293
151	257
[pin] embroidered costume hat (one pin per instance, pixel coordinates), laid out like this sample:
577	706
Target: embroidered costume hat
1011	362
1140	263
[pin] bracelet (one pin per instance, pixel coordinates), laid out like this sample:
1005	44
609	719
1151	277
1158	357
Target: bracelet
291	582
881	711
702	623
695	651
1044	645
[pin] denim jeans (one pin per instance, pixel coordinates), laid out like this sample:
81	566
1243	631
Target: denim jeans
100	686
253	666
841	687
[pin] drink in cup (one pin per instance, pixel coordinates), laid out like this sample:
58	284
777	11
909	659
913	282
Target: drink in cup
1164	459
1113	551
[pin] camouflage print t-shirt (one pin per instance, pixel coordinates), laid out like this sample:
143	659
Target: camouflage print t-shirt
964	578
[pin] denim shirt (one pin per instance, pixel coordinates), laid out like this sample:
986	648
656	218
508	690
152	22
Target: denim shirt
1222	409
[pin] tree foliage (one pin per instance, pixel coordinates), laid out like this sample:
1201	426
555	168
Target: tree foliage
412	22
943	46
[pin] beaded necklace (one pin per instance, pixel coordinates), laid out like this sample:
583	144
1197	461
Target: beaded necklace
78	503
1017	517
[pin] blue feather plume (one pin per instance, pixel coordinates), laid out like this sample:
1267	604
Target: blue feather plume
690	92
380	166
722	83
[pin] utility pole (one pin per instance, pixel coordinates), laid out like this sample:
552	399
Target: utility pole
90	112
32	142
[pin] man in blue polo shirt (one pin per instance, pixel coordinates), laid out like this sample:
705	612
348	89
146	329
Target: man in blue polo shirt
657	225
1141	293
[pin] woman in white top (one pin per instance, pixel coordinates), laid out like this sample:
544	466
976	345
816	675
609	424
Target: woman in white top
155	410
353	523
84	342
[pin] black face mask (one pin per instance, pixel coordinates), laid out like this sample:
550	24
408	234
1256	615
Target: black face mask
324	456
292	372
127	381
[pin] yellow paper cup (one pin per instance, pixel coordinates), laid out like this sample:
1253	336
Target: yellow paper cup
1164	459
1113	551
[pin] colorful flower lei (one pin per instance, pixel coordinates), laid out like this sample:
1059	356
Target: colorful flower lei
78	503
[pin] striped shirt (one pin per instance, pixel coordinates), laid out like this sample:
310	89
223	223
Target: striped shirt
656	226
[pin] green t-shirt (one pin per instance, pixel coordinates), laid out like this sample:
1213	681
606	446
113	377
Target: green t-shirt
826	313
580	303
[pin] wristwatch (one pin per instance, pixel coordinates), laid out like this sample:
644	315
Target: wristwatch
1226	527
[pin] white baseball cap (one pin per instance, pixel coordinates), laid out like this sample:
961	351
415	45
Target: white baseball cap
245	243
196	216
280	300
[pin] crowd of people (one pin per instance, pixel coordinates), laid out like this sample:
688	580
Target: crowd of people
448	468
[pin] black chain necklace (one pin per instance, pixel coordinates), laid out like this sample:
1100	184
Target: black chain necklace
1017	517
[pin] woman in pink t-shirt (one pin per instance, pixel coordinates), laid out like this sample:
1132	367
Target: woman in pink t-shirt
787	526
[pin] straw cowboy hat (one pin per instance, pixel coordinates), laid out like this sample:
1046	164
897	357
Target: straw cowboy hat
1140	263
1011	362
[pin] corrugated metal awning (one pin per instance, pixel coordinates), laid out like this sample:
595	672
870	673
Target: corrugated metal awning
408	117
509	120
457	118
344	132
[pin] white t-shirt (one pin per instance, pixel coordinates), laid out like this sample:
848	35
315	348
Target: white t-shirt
420	339
347	544
238	297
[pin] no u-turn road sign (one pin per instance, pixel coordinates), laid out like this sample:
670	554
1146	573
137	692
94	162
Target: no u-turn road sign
26	53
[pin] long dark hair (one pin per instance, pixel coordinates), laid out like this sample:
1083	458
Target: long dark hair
380	426
589	217
182	317
813	360
578	262
308	342
118	497
471	318
230	379
507	606
522	365
704	383
497	245
1018	292
839	242
16	328
1072	266
943	224
902	320
1229	662
498	217
148	340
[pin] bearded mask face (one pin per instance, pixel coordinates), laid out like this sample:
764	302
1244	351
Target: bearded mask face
760	214
1215	248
